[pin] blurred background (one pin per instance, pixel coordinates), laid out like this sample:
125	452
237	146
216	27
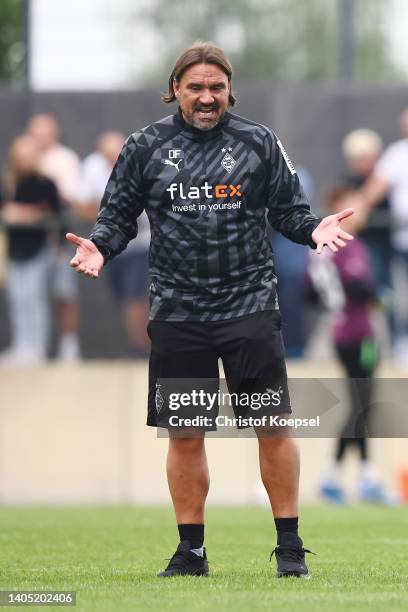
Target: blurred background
331	78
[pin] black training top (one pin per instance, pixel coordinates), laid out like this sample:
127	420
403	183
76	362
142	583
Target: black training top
207	195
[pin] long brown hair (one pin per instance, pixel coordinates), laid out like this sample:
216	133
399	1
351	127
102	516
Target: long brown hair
199	53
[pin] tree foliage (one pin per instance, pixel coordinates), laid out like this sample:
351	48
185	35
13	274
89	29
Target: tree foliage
283	40
11	40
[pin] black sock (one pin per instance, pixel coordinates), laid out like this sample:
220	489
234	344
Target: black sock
193	533
342	445
286	524
362	447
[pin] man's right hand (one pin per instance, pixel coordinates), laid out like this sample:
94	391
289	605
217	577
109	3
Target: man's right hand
87	259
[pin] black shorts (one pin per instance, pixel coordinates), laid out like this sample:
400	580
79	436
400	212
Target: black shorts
250	347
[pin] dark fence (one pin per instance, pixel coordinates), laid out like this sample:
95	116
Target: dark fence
311	119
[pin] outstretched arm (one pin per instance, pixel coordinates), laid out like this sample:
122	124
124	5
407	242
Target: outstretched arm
117	218
329	232
121	204
88	259
287	205
288	209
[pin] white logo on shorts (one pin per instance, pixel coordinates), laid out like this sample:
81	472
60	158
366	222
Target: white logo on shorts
159	398
275	395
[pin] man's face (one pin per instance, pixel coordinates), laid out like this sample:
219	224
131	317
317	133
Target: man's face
202	93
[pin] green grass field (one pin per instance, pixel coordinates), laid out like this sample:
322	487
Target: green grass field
110	556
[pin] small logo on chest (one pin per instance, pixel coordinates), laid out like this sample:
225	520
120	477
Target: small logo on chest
228	162
168	162
174	159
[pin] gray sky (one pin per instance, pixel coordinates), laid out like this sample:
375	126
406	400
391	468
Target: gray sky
398	30
86	44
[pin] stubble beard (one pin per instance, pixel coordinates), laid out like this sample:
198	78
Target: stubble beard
202	124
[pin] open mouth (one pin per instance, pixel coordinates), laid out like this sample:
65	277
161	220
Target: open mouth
205	113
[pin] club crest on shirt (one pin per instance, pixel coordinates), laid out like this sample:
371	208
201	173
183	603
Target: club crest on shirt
228	162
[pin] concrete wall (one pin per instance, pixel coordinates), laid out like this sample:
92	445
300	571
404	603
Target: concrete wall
77	435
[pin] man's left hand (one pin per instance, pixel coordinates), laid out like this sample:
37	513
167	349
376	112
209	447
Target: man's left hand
329	233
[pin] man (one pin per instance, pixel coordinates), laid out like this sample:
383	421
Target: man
390	178
206	179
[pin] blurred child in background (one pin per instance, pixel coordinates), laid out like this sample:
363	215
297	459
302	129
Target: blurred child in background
344	283
29	201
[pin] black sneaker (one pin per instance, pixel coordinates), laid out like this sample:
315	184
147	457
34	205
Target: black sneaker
186	563
290	557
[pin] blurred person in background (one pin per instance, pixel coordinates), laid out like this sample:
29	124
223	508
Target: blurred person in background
95	171
361	150
29	202
291	262
344	282
390	178
61	165
128	273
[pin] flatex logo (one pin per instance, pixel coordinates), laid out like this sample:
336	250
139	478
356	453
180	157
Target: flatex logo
174	158
177	190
